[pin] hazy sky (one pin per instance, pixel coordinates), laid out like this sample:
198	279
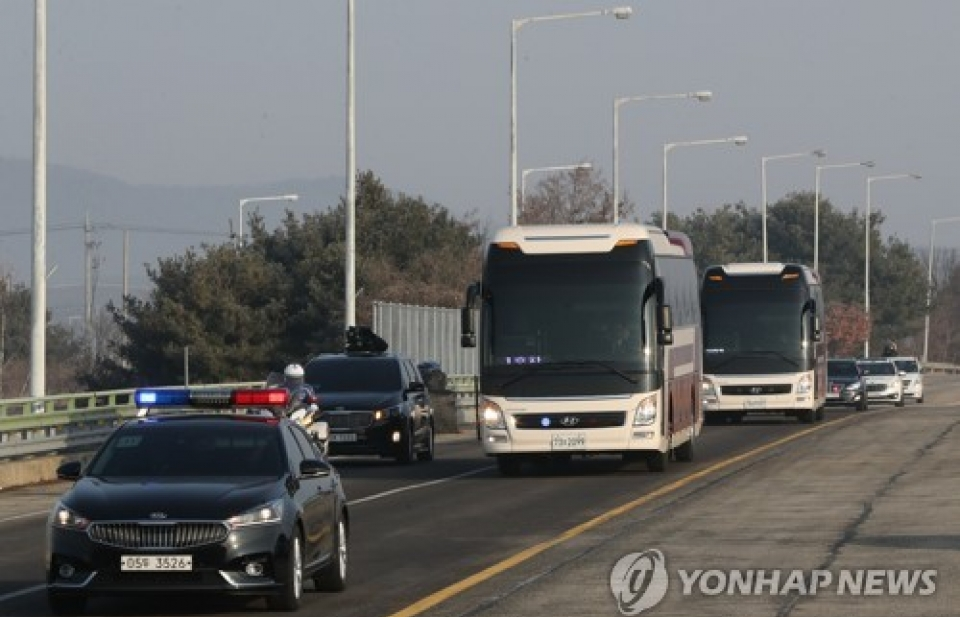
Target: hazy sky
244	91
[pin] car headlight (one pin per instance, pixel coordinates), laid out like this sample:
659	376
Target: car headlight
390	412
853	387
493	416
65	518
646	411
270	512
804	385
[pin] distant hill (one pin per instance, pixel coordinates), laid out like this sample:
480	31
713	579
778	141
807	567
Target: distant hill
162	221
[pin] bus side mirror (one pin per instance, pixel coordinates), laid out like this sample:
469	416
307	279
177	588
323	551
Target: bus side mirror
468	330
664	325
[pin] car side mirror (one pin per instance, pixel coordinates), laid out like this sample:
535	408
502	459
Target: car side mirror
314	468
69	471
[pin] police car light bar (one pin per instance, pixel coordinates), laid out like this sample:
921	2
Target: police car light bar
155	398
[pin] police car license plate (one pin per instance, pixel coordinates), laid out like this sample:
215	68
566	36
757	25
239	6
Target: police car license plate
156	563
343	437
568	441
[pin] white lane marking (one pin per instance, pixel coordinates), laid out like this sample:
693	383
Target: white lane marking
412	487
22	592
27	515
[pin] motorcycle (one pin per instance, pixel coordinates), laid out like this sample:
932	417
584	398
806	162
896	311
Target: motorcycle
303	409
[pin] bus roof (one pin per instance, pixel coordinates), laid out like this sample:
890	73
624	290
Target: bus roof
590	238
763	268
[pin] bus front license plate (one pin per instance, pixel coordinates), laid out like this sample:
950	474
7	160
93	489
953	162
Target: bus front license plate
568	441
755	403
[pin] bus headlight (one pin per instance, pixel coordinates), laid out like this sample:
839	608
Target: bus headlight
707	389
493	416
804	385
646	411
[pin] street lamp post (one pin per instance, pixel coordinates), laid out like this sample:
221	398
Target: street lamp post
926	319
527	172
250	200
816	207
763	186
739	140
866	250
350	259
622	12
702	96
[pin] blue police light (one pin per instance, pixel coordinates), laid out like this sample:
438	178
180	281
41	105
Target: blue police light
148	397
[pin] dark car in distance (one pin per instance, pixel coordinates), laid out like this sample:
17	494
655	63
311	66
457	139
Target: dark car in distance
375	403
197	502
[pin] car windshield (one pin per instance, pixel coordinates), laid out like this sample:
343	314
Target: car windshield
879	368
842	369
907	366
359	374
191	448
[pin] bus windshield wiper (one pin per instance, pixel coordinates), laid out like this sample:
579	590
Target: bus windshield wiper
755	352
600	363
532	369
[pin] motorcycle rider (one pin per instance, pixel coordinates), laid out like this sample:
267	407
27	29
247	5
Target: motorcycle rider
302	407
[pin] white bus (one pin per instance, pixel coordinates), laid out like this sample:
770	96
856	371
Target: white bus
764	347
589	343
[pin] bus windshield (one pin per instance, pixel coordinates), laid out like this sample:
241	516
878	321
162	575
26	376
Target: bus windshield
754	330
568	324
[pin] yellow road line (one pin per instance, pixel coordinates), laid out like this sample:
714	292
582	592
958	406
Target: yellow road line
486	574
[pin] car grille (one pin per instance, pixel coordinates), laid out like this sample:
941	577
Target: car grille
134	535
755	390
348	420
559	421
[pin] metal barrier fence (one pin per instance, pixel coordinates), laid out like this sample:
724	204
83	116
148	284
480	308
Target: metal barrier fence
425	333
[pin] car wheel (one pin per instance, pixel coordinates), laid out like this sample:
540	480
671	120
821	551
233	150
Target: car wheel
333	576
899	402
427	453
807	416
290	596
405	455
920	400
66	603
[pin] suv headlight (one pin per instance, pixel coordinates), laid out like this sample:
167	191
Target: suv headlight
804	385
65	518
382	414
646	412
270	512
493	417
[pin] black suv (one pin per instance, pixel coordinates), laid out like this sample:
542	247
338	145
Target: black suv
375	402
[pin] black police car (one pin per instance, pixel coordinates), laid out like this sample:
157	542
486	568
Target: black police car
375	402
236	503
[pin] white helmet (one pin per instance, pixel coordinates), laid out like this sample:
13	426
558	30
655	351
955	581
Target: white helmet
293	376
